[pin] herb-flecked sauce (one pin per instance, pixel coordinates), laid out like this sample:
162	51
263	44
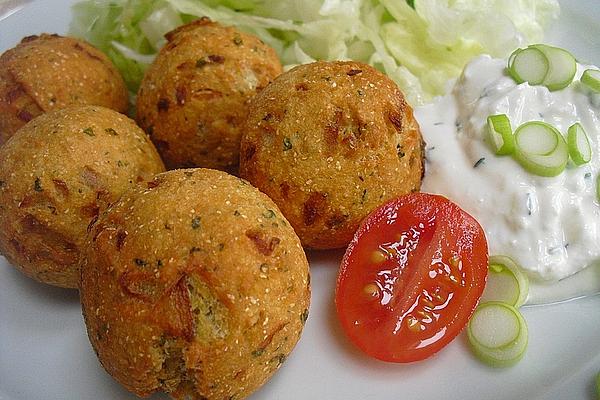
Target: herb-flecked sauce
550	226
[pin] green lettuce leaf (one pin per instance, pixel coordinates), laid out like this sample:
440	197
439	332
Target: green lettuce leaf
420	44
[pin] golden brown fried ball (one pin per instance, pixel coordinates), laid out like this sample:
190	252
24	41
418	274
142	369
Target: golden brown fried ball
50	72
195	285
193	98
57	173
329	142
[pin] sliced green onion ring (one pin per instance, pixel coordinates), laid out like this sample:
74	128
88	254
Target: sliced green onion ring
591	78
500	134
497	334
506	282
528	65
598	187
541	149
598	385
511	58
579	144
561	67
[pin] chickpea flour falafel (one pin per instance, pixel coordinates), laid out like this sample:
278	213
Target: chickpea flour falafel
57	173
194	284
193	98
49	72
329	142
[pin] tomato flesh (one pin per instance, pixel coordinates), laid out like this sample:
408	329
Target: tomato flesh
411	277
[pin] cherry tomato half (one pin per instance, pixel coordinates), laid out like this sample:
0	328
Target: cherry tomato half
411	277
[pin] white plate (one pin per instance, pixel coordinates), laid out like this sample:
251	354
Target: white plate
45	354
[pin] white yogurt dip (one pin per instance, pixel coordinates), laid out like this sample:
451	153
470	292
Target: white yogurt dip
550	226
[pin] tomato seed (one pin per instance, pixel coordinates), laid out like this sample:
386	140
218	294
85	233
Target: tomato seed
413	324
371	290
454	261
378	257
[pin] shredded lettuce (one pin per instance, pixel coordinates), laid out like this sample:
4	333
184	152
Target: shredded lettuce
420	44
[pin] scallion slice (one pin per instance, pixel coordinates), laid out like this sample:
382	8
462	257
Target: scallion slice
512	56
541	149
591	78
500	134
497	334
506	282
598	187
579	144
561	67
528	65
598	385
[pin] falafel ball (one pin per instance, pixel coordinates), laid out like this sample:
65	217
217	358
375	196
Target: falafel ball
57	173
50	72
329	142
193	99
194	284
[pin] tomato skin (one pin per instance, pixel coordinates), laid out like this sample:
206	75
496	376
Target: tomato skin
411	277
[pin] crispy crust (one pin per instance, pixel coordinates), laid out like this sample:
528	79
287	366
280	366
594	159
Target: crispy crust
193	99
194	284
329	142
57	173
50	72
